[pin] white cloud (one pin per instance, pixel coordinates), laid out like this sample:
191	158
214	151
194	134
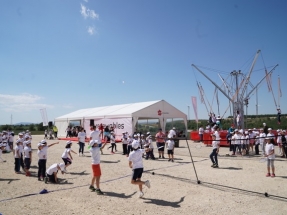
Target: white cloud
91	30
20	103
87	13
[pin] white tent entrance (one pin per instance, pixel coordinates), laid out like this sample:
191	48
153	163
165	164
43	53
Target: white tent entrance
123	117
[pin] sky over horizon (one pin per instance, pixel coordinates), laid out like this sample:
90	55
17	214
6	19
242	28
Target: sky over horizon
69	55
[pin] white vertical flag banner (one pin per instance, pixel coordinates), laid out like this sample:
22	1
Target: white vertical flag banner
194	104
44	116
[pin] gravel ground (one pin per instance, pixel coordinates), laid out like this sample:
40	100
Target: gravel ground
237	187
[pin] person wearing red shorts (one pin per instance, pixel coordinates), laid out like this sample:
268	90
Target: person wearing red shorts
95	154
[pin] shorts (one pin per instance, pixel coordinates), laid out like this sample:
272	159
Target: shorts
27	163
52	178
159	145
243	146
96	170
170	152
67	161
106	134
137	173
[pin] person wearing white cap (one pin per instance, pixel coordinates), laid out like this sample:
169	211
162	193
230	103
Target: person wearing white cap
136	163
130	141
81	139
67	156
257	142
96	168
113	142
125	143
27	157
271	135
95	135
17	156
262	136
149	147
51	173
42	157
251	139
236	138
270	154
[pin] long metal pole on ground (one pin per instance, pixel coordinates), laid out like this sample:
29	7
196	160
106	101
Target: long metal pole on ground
198	182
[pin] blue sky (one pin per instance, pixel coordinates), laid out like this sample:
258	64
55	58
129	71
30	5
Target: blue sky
67	55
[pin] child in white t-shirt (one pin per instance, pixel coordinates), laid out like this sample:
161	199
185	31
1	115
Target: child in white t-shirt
136	163
270	154
170	149
51	173
27	157
17	156
113	143
95	154
214	153
67	156
149	147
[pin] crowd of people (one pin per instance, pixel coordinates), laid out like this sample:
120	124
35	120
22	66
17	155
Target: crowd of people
136	147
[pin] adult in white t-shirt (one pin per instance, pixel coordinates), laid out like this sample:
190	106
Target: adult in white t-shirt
81	139
200	133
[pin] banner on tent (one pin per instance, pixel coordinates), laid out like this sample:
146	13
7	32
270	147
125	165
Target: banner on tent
120	125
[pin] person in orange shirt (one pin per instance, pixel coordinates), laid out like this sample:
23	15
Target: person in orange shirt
160	142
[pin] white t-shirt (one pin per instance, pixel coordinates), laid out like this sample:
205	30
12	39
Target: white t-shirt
268	148
262	137
95	135
217	137
150	143
236	138
215	144
112	139
279	139
200	130
52	169
171	133
130	140
136	158
16	150
82	137
66	153
238	118
170	144
27	151
95	154
270	135
41	154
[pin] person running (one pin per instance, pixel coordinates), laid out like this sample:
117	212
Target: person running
96	157
136	163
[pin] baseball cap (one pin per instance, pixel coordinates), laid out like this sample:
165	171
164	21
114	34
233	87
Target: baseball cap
28	142
284	131
267	138
20	134
40	144
278	130
236	130
26	136
43	142
148	133
261	129
138	134
173	128
246	132
135	144
62	167
68	142
269	129
92	142
135	135
264	123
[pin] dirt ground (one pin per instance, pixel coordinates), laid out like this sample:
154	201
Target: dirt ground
237	187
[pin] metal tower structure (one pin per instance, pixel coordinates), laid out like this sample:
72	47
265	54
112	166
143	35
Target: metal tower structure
239	89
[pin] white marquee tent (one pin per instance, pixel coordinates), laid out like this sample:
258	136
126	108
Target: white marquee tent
122	117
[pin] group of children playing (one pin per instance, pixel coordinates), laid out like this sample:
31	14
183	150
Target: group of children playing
242	142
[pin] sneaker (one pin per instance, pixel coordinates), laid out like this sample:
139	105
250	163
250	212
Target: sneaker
215	166
92	188
99	192
46	180
268	175
147	183
163	157
169	159
39	179
272	175
172	160
141	194
159	157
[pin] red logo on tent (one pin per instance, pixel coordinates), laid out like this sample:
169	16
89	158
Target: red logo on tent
159	112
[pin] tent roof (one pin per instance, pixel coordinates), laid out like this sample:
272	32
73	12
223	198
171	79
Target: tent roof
124	110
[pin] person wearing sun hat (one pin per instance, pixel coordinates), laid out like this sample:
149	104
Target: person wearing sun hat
96	168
